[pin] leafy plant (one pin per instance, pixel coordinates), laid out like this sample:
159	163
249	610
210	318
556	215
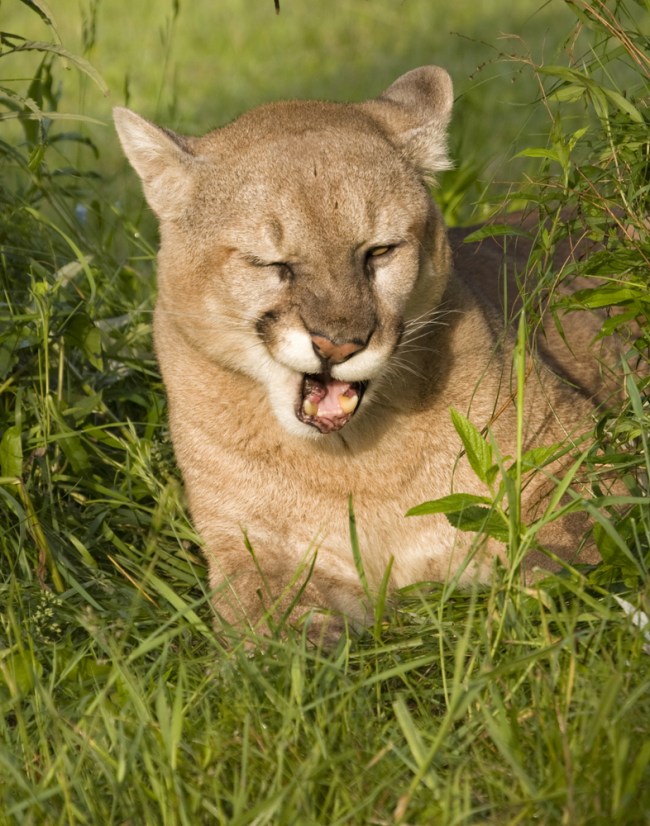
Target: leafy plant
119	704
592	194
78	382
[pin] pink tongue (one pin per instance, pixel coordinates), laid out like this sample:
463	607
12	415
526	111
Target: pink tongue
330	405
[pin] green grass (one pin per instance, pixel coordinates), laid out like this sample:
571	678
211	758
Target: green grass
500	708
118	702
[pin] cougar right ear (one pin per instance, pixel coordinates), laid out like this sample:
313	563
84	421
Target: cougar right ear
163	160
415	112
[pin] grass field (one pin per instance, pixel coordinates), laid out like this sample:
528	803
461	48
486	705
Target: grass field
119	704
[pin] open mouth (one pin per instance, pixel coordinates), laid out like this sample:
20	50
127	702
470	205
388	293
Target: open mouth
328	404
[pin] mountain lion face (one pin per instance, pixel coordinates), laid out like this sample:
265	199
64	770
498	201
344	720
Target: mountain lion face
317	311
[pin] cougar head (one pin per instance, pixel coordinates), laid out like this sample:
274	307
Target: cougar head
300	245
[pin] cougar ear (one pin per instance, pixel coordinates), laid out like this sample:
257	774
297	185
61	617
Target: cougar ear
415	112
162	159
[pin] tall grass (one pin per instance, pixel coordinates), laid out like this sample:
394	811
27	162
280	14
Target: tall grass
593	190
118	702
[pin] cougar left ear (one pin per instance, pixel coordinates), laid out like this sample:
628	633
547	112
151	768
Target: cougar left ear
415	112
162	159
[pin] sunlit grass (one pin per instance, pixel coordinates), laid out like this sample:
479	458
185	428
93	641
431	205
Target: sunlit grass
119	703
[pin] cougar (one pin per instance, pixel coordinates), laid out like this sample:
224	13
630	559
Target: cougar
315	325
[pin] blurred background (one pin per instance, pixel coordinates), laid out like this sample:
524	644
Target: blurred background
194	66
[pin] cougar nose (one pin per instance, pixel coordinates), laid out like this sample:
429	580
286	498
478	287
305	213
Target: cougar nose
334	351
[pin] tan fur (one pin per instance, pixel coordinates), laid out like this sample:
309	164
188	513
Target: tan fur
265	228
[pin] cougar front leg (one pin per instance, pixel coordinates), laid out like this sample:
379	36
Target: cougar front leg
267	592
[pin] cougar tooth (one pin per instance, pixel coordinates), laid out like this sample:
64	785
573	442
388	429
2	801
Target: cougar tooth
348	403
309	407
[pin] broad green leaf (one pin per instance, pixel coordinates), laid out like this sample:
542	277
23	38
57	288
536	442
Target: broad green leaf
481	520
577	136
11	452
599	102
608	295
92	347
621	260
610	550
84	553
8	350
449	504
564	73
538	456
478	450
18	674
624	104
74	452
82	333
569	93
539	152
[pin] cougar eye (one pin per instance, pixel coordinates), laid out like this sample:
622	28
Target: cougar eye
376	252
284	270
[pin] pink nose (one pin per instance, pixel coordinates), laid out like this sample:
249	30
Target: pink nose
330	350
